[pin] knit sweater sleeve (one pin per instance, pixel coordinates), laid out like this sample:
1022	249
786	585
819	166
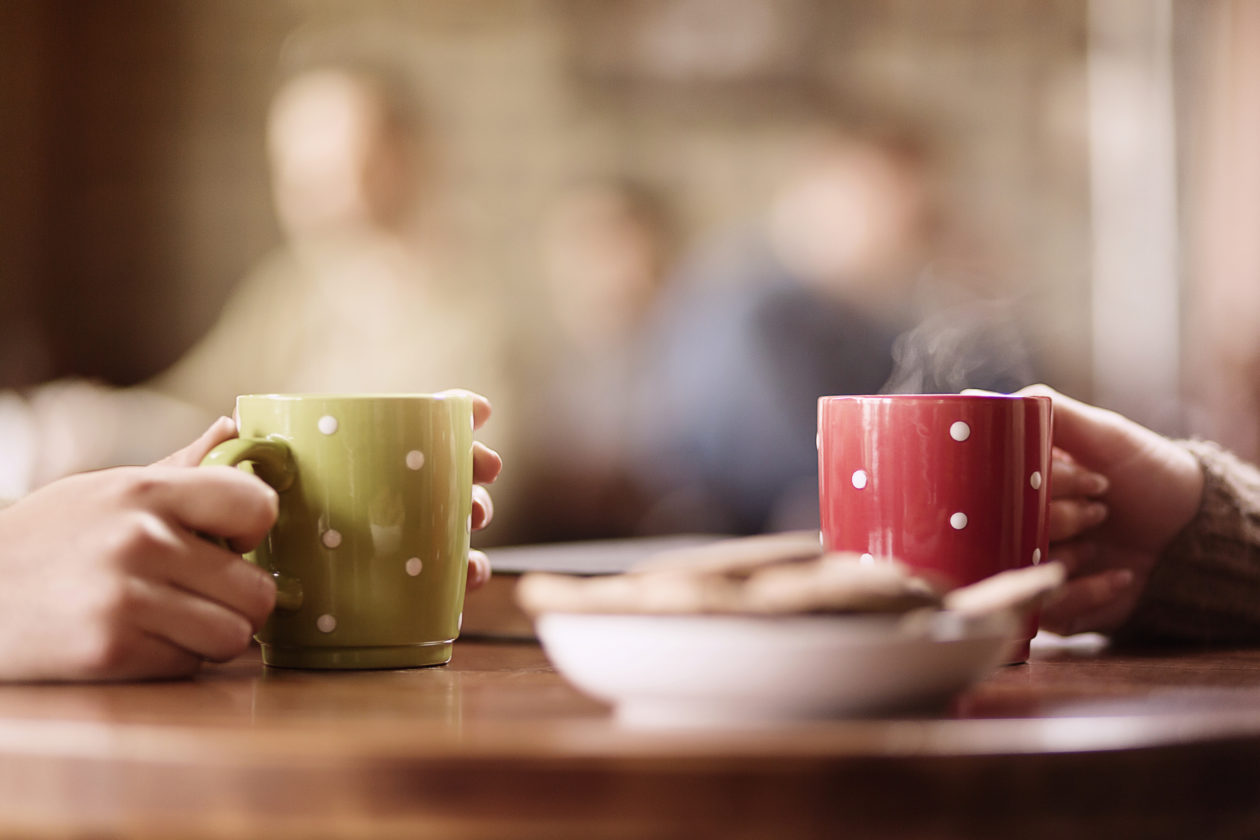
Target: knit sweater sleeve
1205	587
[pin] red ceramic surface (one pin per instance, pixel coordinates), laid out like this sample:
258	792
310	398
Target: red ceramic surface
953	484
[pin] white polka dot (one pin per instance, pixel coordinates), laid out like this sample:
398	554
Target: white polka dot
867	559
331	538
958	521
1036	556
414	566
328	424
326	623
859	479
959	431
415	459
1035	480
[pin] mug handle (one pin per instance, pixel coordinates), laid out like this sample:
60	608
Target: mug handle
270	460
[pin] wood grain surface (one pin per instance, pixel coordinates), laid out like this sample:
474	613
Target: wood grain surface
496	745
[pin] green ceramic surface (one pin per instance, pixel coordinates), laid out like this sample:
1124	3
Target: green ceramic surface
370	548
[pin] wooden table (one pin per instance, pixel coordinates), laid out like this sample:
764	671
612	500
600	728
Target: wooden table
496	745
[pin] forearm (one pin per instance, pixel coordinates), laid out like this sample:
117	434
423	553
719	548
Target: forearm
81	425
1206	585
17	447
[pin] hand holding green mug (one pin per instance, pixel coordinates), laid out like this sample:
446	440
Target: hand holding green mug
370	551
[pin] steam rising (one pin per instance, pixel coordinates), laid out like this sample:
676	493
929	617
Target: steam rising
973	345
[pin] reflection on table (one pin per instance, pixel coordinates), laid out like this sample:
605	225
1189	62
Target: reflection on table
497	745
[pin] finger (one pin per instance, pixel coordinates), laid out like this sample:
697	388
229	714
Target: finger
1097	602
486	463
482	507
191	455
219	501
478	569
1068	479
1057	454
1072	517
1106	618
198	625
207	571
1077	556
480	405
160	660
1088	433
136	655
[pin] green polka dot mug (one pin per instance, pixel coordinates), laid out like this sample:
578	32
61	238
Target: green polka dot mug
370	549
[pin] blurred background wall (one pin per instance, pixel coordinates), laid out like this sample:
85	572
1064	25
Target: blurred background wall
135	130
134	191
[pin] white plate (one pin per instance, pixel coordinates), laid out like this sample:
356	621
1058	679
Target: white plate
718	670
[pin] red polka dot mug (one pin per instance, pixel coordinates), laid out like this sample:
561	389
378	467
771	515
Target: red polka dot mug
956	485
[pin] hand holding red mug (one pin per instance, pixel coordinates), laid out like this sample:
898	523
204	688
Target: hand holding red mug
1120	493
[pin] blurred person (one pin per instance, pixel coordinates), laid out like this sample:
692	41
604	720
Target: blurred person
109	576
351	301
606	246
833	292
1161	537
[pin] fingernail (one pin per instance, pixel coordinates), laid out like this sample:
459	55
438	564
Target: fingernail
1095	512
1122	579
1096	484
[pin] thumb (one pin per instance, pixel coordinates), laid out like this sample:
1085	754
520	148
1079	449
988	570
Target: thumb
481	405
190	456
1096	437
1089	434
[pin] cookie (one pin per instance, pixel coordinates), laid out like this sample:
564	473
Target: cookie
836	583
1017	589
832	583
738	556
648	594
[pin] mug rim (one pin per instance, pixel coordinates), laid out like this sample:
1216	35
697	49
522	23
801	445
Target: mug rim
332	395
933	397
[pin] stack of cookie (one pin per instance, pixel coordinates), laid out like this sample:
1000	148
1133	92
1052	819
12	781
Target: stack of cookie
777	575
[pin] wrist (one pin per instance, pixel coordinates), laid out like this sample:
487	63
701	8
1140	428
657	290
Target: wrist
1187	481
1205	585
